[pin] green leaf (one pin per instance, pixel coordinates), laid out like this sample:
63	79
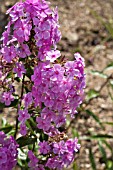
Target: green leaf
108	123
4	122
103	152
6	129
98	73
101	136
97	137
109	165
43	137
75	133
110	95
107	145
26	140
90	113
92	159
92	94
109	66
29	71
75	166
111	83
2	105
9	75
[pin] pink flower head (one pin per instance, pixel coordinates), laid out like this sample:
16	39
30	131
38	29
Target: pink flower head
23	115
9	53
44	147
8	153
59	148
44	124
33	159
23	51
27	98
3	157
7	98
53	55
58	73
19	69
23	129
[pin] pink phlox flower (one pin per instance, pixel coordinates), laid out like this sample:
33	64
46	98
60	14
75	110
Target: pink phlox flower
67	158
78	57
19	69
48	99
53	55
5	37
37	96
23	129
8	153
60	120
58	73
36	20
22	31
9	53
44	147
65	85
23	115
23	51
17	12
44	25
54	163
39	167
33	160
44	124
36	77
3	156
27	98
59	148
48	114
72	145
7	98
71	70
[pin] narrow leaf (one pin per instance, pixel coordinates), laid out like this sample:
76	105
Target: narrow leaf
107	145
96	137
109	66
92	94
103	152
98	73
6	129
90	113
108	123
92	159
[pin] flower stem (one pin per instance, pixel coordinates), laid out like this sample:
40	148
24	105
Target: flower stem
22	91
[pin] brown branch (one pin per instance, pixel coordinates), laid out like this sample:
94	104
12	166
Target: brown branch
22	91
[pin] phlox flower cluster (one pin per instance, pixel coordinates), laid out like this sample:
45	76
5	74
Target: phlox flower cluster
60	89
30	20
56	85
8	152
63	154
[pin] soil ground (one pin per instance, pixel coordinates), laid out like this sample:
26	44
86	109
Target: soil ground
83	32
